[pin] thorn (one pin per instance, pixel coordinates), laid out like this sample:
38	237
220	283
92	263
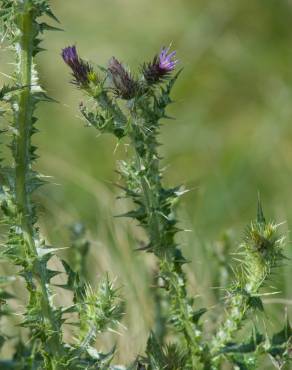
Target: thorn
260	215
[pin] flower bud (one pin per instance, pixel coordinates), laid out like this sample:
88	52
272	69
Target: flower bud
81	70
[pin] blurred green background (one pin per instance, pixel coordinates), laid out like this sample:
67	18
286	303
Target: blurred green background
232	137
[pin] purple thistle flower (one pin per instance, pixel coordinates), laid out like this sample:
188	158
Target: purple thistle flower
124	85
166	61
80	68
161	66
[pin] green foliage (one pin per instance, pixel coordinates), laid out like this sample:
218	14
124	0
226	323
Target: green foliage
99	310
130	108
25	246
261	251
154	210
170	357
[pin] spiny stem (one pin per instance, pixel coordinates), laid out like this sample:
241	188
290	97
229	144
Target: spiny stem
232	323
24	118
161	243
24	122
262	250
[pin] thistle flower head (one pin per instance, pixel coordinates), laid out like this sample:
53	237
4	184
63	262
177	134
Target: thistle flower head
124	85
161	66
81	70
70	55
167	61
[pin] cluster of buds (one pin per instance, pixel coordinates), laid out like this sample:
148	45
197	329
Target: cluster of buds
125	86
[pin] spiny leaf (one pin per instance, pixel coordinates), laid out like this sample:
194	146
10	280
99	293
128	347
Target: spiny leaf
6	89
46	27
198	314
250	346
284	335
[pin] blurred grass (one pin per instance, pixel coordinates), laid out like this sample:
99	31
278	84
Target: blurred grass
232	136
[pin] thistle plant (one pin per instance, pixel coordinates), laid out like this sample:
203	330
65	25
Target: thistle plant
131	107
98	308
145	104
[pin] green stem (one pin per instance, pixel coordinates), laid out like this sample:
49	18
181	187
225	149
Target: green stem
162	245
24	123
236	314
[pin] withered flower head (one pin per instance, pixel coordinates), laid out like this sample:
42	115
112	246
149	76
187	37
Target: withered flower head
124	84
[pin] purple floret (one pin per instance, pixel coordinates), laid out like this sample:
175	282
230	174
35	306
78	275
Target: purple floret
167	61
80	68
161	66
70	55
